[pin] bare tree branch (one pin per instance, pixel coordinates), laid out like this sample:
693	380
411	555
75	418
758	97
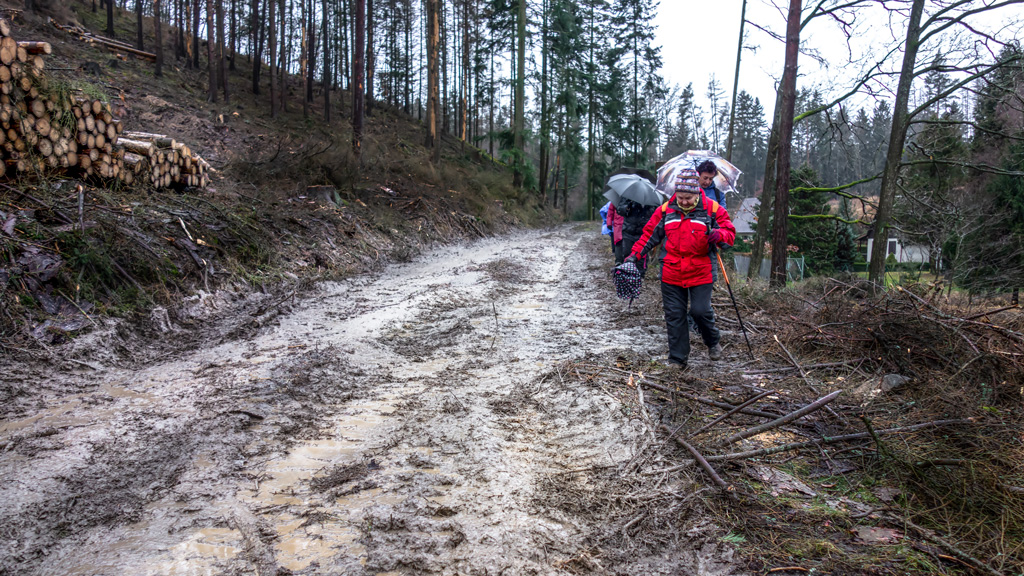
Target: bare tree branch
958	85
938	16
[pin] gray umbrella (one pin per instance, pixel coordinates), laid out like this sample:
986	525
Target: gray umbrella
632	187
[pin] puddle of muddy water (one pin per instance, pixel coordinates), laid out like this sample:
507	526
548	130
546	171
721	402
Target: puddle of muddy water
284	486
69	414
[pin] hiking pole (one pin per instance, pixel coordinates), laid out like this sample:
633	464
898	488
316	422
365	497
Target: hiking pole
734	305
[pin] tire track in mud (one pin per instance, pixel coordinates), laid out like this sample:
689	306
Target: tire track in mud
410	423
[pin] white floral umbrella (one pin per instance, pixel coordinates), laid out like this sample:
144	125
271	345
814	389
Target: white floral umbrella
725	180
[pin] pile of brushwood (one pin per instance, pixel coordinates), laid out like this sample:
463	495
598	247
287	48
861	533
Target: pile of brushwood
873	434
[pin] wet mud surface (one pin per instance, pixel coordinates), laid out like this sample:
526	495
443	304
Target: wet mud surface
416	422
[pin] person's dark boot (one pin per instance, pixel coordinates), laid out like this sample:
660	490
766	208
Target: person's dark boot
673	363
715	352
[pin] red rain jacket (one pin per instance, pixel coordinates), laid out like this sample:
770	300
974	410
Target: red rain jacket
614	221
684	259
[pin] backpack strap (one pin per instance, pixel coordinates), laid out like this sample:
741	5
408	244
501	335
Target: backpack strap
664	207
714	214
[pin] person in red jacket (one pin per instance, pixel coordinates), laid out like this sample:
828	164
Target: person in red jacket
614	221
691	226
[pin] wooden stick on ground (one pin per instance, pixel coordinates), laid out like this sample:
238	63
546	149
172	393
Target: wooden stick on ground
803	374
831	440
817	404
706	466
807	367
731	412
960	554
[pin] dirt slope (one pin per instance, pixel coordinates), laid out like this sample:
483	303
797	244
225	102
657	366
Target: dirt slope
256	230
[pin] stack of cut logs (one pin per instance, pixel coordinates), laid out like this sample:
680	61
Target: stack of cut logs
67	131
165	161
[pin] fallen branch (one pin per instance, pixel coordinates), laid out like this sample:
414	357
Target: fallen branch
813	406
808	366
710	402
832	440
705	465
495	338
960	554
996	311
731	412
791	359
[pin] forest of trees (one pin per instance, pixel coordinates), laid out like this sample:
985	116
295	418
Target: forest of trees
563	91
566	91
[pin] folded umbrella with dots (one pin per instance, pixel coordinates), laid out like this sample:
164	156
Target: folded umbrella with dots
628	281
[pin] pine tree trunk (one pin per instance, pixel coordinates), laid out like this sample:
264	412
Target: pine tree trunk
179	38
780	227
408	63
272	44
195	34
222	50
327	64
894	155
211	56
636	93
490	122
736	82
346	37
591	148
464	104
520	97
545	115
311	53
158	40
767	189
110	19
285	54
138	25
358	67
433	39
443	47
370	58
256	44
304	57
234	35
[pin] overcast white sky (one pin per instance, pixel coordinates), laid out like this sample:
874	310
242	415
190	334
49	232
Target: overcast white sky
698	37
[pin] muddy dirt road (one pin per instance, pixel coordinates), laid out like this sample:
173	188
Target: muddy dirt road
412	423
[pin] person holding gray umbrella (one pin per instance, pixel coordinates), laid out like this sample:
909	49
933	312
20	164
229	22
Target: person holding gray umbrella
634	198
690	225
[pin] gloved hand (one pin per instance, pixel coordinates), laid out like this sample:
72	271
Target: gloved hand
716	239
632	259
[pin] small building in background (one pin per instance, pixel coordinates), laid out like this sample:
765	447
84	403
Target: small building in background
902	251
745	218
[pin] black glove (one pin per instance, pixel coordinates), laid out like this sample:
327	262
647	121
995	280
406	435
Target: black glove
632	259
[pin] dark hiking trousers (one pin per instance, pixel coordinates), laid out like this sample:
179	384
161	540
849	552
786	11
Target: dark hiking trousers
675	300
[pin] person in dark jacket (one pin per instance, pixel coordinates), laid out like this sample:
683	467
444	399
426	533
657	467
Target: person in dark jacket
634	217
689	225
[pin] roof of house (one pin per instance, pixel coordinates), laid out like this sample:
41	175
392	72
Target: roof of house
745	218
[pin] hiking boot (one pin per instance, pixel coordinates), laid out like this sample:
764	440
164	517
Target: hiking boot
715	352
673	363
